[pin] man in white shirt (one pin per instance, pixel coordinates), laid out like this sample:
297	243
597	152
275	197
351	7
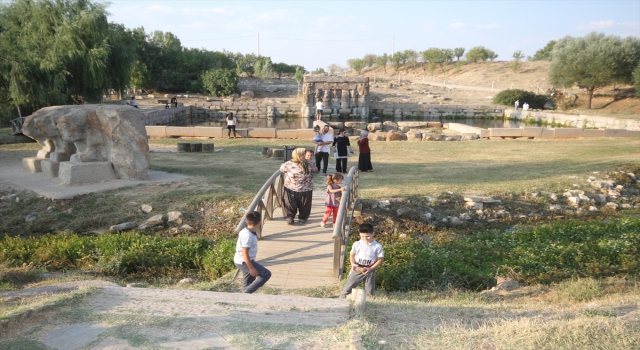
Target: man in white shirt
319	108
324	149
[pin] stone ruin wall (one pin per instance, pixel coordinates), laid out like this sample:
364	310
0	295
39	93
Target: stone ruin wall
341	96
284	85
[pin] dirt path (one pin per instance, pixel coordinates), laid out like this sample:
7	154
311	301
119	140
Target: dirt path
114	317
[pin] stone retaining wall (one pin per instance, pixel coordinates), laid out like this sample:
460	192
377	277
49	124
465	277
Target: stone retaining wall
578	121
436	111
539	132
268	85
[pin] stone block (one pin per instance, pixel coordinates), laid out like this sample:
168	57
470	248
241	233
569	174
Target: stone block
305	134
567	133
50	168
242	133
32	164
59	157
184	147
196	147
208	131
269	133
287	134
532	132
592	133
504	132
156	131
44	154
615	133
72	173
207	147
180	131
548	133
431	137
485	133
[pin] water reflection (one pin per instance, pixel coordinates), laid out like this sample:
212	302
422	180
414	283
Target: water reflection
307	123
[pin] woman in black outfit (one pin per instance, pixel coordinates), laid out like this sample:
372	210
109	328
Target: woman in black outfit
342	149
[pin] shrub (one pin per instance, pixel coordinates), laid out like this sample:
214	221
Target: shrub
508	97
636	79
544	254
220	82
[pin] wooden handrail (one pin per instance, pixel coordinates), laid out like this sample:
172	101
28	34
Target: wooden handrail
266	201
342	227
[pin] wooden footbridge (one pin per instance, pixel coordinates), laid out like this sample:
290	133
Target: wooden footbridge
303	255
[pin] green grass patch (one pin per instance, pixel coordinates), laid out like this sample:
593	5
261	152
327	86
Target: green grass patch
121	254
544	254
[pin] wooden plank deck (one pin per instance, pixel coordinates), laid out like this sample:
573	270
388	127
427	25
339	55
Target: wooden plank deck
299	256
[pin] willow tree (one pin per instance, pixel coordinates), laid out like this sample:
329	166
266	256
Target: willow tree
594	61
53	51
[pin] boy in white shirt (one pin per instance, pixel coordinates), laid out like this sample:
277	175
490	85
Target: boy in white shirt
319	108
254	275
366	255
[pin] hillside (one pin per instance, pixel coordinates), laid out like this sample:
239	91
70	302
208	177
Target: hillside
478	83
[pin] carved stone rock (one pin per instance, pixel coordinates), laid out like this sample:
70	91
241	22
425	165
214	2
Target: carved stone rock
94	133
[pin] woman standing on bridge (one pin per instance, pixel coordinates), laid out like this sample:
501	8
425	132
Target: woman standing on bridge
298	186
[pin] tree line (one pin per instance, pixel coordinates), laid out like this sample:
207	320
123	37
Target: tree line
58	52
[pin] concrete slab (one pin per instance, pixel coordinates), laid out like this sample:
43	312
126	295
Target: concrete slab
208	131
615	133
592	133
485	133
32	164
287	134
71	173
261	133
180	131
502	132
532	132
305	134
156	131
567	133
548	133
50	168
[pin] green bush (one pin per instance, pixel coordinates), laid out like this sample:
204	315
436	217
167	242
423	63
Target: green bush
636	79
508	97
119	254
220	82
544	254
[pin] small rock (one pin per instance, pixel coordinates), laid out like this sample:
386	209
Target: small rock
124	226
174	217
384	204
573	201
49	208
455	221
403	235
626	206
405	211
507	284
30	218
611	205
503	214
155	220
593	208
186	228
555	208
187	280
136	285
8	197
17	199
146	208
465	216
426	217
553	197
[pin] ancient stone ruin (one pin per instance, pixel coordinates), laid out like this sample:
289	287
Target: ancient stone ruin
87	144
340	95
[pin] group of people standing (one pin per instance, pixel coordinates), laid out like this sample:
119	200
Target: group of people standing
341	144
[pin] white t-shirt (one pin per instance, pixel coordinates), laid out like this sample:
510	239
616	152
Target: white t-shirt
246	239
133	102
232	121
367	254
319	105
328	137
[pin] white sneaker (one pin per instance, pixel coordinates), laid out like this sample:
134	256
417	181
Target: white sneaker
322	224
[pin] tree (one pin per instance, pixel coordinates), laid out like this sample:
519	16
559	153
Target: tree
356	64
333	69
262	68
220	82
319	70
491	55
369	59
517	57
593	61
382	60
411	57
396	60
478	53
636	79
545	52
435	56
299	76
458	52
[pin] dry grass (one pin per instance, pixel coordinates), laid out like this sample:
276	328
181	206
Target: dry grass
528	318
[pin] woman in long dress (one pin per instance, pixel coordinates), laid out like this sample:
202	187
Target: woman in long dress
298	186
364	160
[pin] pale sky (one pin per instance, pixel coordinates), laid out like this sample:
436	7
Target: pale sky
319	33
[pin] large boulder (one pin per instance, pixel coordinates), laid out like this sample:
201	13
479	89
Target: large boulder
414	135
374	126
396	136
96	133
376	136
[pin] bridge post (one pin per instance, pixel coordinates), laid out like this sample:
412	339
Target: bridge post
337	256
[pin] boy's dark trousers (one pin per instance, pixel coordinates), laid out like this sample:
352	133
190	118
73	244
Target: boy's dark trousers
324	157
249	283
355	278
